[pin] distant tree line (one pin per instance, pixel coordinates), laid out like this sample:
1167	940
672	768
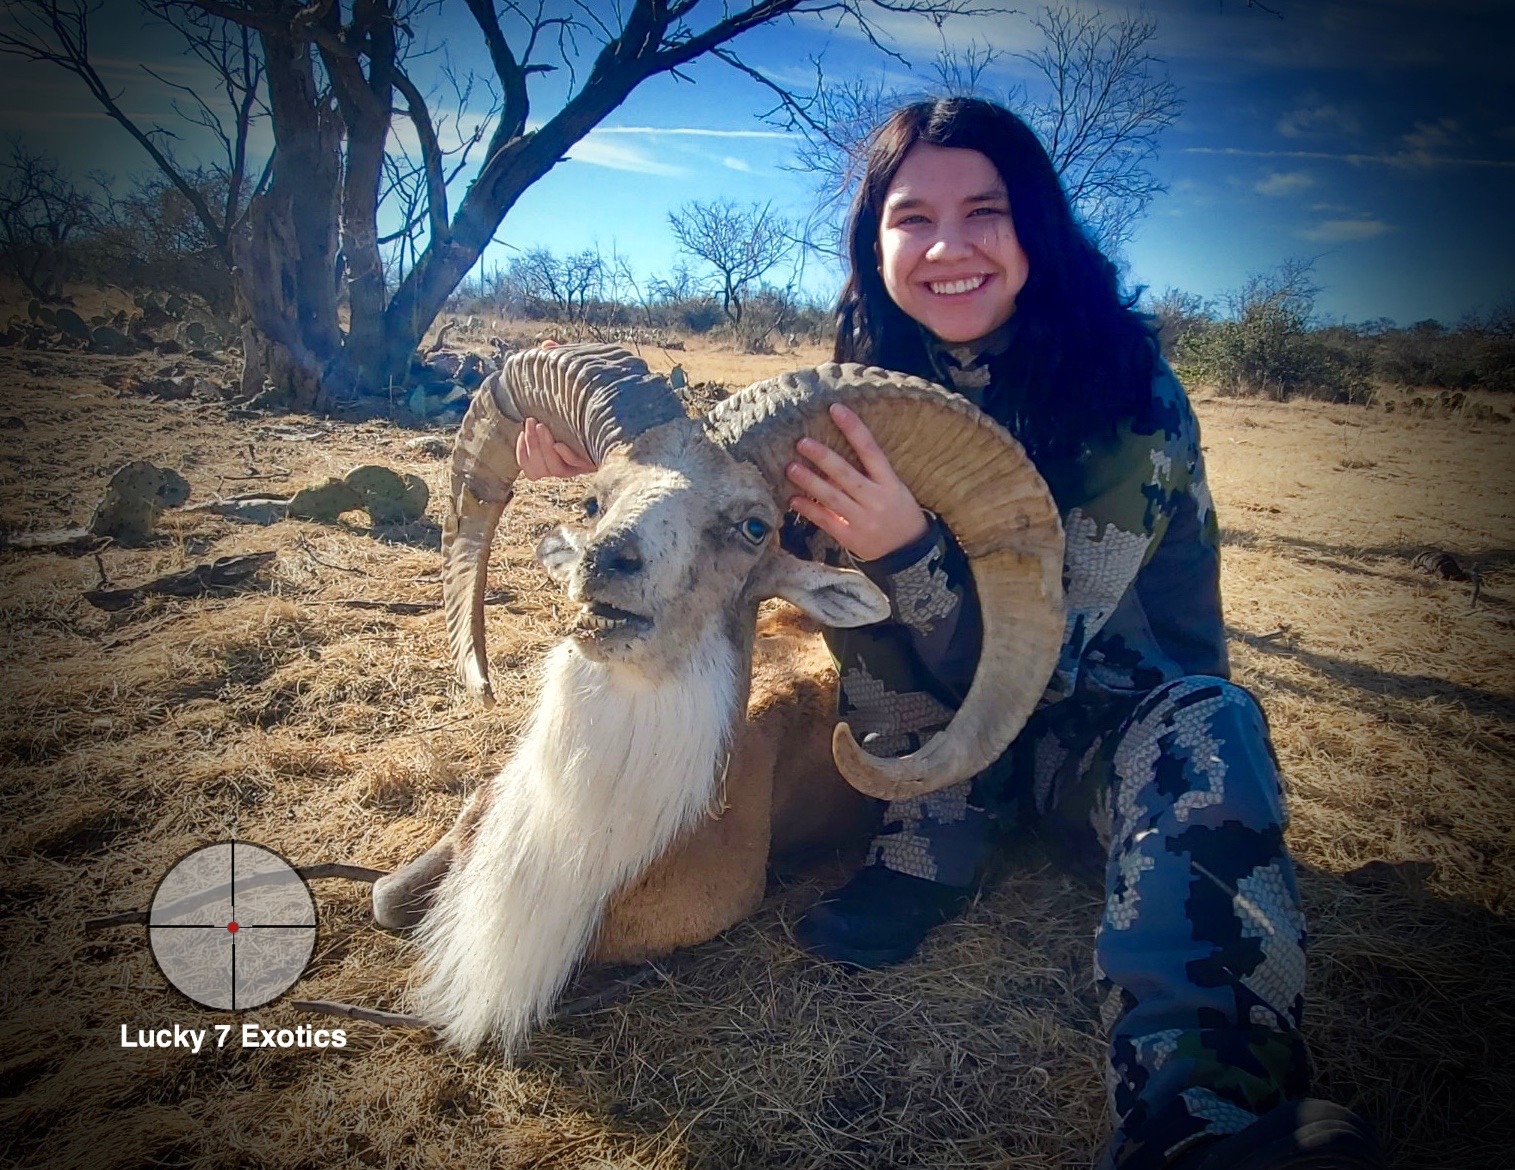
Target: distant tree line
736	273
1267	339
54	230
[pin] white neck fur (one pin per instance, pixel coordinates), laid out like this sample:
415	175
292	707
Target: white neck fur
611	768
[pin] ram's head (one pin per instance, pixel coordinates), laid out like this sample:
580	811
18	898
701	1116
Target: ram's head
681	528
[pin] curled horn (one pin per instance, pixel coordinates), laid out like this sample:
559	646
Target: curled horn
591	397
967	469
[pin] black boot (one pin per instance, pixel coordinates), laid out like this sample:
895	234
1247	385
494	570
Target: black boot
1298	1135
878	918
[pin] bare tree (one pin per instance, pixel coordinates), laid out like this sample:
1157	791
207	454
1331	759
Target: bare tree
742	244
42	214
58	32
331	71
538	275
681	284
1102	102
583	281
1110	100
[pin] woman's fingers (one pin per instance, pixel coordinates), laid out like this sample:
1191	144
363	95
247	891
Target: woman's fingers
870	513
869	453
821	489
571	460
526	454
822	517
540	456
834	466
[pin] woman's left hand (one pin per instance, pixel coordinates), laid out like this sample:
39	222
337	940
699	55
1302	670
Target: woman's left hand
870	513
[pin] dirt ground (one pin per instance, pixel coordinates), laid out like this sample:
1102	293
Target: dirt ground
313	712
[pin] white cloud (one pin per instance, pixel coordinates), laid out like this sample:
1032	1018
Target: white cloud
1324	118
737	164
617	156
1341	231
1397	158
693	131
1284	183
1433	136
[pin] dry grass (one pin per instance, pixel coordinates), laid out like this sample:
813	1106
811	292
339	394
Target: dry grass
286	715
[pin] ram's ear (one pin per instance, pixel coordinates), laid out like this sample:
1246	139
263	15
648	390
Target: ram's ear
834	597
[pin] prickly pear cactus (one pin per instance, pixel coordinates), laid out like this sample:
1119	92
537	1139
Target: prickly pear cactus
390	498
325	501
70	324
134	498
109	339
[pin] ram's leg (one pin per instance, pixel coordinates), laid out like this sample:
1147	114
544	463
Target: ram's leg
401	899
819	820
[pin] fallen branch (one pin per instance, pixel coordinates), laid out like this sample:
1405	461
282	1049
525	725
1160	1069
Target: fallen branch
222	573
304	546
348	1011
66	541
412	607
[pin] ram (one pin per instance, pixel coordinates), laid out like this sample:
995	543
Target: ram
653	781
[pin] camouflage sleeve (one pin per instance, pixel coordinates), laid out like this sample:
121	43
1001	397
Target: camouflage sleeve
902	679
1123	496
931	597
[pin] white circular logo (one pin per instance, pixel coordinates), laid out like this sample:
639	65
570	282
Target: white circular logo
232	926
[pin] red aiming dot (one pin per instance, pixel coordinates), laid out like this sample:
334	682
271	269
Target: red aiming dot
232	926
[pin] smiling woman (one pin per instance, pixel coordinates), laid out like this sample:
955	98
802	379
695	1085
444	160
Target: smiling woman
1142	759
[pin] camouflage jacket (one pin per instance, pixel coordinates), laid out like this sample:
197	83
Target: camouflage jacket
1141	575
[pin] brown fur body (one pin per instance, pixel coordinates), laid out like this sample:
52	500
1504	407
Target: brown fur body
782	798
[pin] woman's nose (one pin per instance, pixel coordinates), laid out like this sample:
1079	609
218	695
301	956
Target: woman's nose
950	243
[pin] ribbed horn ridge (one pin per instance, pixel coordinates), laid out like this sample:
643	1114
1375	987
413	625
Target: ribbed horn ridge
591	397
972	473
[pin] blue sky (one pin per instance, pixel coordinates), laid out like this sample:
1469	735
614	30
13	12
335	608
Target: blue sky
1376	137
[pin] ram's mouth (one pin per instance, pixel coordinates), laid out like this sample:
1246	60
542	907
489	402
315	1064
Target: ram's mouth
597	620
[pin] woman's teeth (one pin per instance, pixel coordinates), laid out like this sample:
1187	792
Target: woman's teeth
949	287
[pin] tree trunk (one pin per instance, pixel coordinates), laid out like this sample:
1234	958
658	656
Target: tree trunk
287	253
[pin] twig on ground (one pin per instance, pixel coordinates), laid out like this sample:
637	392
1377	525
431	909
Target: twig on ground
328	1007
222	573
304	546
499	598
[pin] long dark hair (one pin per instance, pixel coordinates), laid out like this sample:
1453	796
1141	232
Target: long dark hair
1080	360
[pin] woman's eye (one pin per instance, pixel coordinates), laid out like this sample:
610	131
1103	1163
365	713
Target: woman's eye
591	508
983	211
754	529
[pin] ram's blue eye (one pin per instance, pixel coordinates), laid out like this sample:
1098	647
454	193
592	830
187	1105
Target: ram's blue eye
754	529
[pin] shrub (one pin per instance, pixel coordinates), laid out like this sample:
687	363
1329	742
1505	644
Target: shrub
1267	345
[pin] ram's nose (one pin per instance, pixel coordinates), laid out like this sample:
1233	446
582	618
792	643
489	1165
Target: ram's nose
616	555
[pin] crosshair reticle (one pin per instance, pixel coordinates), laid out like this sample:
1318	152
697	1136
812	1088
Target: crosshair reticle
232	926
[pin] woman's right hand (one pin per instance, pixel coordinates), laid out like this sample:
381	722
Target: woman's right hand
540	456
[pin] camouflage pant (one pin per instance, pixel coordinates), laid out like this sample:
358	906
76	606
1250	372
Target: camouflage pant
1200	954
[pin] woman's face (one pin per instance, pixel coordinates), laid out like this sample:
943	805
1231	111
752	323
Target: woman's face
947	247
